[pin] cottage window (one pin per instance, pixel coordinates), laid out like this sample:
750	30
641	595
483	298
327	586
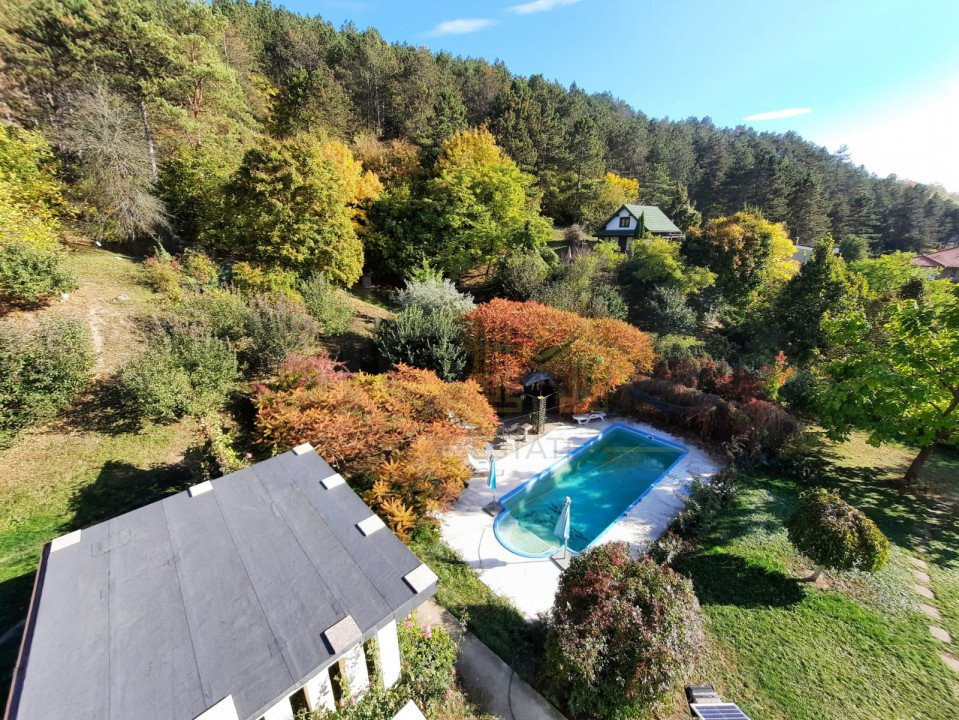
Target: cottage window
624	221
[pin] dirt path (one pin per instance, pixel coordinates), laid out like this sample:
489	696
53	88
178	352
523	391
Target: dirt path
96	336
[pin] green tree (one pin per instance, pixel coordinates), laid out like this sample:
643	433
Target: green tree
744	251
477	206
896	376
288	205
853	248
822	286
885	275
836	535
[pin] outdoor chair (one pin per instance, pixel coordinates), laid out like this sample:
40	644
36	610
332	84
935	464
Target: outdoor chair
478	465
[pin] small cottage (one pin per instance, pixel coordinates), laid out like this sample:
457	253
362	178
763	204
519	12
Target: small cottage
634	221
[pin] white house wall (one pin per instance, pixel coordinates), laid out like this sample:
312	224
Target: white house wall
614	223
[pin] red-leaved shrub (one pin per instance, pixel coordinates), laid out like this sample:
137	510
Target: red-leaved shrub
622	632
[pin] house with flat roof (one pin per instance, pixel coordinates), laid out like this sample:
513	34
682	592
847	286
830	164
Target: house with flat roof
945	261
634	221
234	600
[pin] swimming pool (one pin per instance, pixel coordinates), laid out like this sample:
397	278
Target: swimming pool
604	478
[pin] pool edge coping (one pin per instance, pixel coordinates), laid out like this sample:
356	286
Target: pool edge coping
565	459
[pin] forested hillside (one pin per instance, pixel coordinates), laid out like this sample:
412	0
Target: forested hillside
160	102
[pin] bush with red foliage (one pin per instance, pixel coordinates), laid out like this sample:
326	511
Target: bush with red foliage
622	632
587	356
753	427
718	378
406	430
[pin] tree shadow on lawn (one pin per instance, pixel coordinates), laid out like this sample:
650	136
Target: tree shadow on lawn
121	487
358	352
901	511
99	410
725	579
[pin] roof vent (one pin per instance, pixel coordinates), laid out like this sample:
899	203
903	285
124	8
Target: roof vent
200	488
302	449
65	541
370	525
332	481
342	636
420	579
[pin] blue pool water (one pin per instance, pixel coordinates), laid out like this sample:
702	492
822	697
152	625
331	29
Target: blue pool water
604	478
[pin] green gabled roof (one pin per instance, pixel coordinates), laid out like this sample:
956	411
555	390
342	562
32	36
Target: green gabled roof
654	219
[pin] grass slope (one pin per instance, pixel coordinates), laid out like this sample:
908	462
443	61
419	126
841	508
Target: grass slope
855	646
83	467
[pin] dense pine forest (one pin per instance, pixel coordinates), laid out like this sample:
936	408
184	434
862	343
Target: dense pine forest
155	107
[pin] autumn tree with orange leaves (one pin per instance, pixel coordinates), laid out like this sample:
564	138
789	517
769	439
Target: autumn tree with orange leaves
587	356
402	436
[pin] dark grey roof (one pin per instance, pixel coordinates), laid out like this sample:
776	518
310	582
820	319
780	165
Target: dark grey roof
164	611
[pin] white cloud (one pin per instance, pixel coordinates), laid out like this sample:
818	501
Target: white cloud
777	114
539	6
461	26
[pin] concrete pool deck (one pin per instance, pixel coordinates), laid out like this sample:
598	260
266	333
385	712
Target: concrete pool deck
531	582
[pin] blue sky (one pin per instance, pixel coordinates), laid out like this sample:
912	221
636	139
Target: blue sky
880	76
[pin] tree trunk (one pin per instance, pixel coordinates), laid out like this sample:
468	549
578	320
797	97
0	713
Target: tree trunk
912	474
148	134
814	577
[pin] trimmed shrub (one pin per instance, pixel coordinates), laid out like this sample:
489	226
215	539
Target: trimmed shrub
833	534
278	327
31	275
424	339
221	312
252	280
756	428
665	310
432	294
41	371
186	373
328	305
520	276
621	633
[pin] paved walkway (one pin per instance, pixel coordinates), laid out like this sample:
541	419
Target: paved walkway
920	584
531	582
490	683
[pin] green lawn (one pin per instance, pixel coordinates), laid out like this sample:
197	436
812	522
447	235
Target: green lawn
491	617
854	646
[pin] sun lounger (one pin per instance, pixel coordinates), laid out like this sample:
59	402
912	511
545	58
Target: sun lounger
597	415
478	465
583	419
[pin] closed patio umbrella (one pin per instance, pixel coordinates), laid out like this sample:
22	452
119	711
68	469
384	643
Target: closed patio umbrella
562	525
491	478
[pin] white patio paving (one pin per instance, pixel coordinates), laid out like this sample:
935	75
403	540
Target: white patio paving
531	582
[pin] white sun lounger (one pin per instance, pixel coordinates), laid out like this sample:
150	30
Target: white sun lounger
478	465
586	417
